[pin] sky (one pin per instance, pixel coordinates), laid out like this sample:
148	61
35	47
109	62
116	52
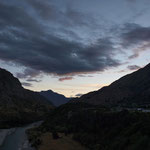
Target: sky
73	46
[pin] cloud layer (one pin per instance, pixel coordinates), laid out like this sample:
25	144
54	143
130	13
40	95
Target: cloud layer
46	39
136	38
133	67
27	40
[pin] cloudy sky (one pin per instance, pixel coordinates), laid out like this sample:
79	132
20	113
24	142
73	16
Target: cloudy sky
73	46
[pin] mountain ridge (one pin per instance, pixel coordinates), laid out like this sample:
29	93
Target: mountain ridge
132	88
18	104
54	97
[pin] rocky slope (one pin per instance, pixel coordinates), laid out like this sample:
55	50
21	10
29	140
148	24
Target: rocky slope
55	98
132	89
18	104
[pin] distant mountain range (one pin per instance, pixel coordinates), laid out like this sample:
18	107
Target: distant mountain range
55	98
17	103
132	89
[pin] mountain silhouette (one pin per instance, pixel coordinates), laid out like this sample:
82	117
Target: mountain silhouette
55	98
17	103
132	89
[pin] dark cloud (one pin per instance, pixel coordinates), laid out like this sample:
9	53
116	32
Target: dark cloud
78	95
29	74
135	34
65	78
133	67
81	75
26	84
48	11
27	40
135	55
33	80
135	37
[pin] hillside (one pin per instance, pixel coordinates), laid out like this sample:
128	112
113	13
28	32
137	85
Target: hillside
94	128
18	105
132	89
55	98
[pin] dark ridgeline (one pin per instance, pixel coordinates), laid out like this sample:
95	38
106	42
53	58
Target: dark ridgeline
18	105
132	89
55	98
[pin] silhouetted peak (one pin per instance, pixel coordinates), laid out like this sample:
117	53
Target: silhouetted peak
132	88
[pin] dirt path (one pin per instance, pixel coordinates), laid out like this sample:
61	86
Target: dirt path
63	143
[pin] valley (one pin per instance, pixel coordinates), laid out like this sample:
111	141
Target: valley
74	74
102	124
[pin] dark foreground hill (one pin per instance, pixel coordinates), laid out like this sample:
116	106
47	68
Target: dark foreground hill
96	128
55	98
18	105
132	89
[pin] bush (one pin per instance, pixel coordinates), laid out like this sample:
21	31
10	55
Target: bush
55	135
